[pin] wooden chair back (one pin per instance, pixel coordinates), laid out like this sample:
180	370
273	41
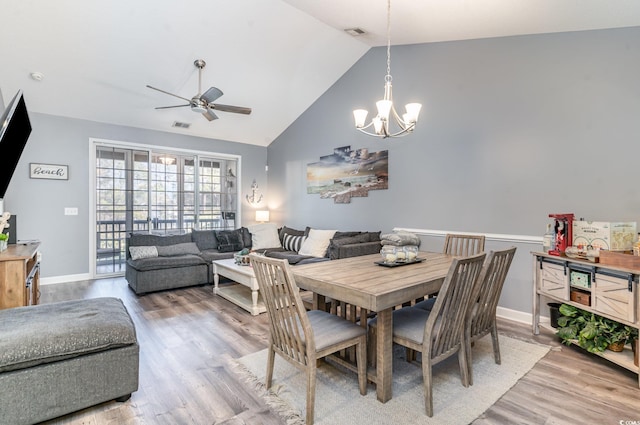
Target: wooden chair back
444	329
482	316
290	330
492	279
463	245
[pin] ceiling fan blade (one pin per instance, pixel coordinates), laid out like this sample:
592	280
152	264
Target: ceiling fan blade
212	94
170	94
230	108
210	115
167	107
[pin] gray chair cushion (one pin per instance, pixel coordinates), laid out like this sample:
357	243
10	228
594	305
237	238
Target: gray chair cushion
51	332
408	323
329	329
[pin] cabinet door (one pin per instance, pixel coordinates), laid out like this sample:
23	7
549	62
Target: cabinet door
613	298
553	281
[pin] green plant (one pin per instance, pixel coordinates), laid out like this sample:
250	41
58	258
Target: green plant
583	327
4	237
592	332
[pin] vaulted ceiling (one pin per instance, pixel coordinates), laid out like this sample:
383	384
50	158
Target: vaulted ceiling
274	56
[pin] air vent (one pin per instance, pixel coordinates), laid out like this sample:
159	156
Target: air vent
181	124
354	31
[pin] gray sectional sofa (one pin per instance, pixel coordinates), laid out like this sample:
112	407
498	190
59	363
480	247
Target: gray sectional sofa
160	262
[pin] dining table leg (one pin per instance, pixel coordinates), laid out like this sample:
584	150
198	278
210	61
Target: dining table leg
384	355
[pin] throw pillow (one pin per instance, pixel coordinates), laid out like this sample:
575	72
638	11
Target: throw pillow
292	232
205	239
229	240
178	249
264	236
139	252
316	243
293	243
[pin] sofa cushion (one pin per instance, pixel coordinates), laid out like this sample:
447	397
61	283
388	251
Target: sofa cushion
210	255
73	328
264	236
158	263
138	252
293	243
178	249
317	243
291	256
340	235
137	239
230	240
205	239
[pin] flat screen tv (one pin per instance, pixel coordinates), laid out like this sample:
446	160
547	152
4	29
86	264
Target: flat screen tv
14	133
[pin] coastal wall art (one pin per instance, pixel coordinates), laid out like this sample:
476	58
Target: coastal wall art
348	173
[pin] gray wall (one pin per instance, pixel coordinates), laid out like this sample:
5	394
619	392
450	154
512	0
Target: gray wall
39	204
512	129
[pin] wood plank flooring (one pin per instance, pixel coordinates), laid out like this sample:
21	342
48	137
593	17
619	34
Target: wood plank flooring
187	337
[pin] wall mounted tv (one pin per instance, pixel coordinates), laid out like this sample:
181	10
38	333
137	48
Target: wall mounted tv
14	133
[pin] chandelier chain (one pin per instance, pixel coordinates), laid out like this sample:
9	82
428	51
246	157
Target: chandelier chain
388	77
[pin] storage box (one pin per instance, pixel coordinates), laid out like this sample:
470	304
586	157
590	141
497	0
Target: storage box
581	297
618	236
619	259
580	279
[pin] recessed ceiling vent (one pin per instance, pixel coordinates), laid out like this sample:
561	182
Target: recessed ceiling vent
354	31
181	124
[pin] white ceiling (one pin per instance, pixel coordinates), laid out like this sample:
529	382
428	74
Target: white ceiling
275	56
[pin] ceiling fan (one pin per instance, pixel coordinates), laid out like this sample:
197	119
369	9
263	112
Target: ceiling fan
203	102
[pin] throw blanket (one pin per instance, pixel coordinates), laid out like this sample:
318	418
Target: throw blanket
400	238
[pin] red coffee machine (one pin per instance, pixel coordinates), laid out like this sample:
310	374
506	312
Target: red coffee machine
564	232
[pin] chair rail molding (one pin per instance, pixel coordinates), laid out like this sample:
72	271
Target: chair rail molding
534	240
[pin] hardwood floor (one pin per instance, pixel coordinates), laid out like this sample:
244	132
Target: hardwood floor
188	337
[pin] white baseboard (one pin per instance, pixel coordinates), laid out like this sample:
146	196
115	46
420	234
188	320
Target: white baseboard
62	279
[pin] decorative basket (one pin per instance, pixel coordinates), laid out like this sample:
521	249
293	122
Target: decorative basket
242	260
616	346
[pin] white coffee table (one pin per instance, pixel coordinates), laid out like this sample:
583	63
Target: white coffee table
245	293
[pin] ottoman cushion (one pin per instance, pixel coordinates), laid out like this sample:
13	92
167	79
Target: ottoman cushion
51	332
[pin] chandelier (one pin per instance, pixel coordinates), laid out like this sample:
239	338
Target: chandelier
387	114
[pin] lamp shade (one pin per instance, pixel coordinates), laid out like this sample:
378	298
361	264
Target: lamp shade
262	216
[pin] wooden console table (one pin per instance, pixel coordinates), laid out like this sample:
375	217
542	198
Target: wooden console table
20	275
612	292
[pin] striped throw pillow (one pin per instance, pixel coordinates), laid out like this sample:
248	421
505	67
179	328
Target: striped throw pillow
292	243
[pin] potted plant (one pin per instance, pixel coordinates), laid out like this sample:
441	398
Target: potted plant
617	334
592	332
583	327
4	239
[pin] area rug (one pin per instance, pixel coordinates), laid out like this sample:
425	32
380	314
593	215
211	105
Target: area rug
338	400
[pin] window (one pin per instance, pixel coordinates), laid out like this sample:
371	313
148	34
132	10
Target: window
160	192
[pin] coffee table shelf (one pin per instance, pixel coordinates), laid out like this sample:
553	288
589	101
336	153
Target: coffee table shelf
245	292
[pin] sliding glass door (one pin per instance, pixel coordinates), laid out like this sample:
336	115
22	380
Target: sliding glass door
159	192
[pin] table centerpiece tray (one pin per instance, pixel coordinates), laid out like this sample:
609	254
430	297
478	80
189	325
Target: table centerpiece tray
399	263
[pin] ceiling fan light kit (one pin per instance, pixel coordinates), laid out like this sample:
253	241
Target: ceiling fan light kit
203	103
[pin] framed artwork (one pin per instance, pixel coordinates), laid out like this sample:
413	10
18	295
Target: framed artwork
348	173
48	171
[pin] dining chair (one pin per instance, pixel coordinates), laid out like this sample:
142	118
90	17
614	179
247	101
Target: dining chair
482	317
299	336
463	245
439	333
459	245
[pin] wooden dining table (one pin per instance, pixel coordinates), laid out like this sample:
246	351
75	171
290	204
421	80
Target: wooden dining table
361	282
